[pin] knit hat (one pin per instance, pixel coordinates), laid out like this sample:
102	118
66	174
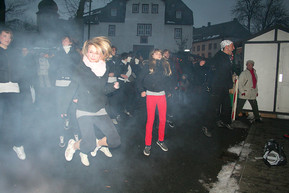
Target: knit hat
225	43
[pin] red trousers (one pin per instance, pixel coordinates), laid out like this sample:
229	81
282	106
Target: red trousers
152	102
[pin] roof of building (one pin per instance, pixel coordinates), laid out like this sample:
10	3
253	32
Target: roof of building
232	29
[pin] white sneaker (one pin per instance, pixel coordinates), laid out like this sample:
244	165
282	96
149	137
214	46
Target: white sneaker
94	152
106	151
69	152
114	121
84	159
20	152
61	141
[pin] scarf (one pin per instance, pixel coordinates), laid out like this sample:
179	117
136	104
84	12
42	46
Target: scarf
66	49
98	68
253	78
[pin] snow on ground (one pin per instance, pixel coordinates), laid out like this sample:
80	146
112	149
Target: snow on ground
227	183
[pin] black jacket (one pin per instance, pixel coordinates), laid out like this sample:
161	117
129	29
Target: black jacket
155	82
220	76
62	64
92	90
8	66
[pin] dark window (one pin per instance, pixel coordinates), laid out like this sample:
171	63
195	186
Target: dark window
145	8
155	8
179	14
210	46
198	48
215	45
194	49
113	12
143	39
111	30
178	33
203	55
209	55
203	47
135	8
144	29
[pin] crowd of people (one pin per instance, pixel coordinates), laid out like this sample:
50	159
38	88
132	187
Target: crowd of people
94	87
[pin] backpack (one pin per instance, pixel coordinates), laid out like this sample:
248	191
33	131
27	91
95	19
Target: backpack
274	154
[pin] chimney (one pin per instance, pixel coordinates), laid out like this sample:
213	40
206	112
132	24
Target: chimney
209	24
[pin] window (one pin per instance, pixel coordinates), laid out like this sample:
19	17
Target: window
209	55
155	8
215	45
198	48
203	55
144	29
210	46
135	8
111	30
178	33
113	12
203	47
179	14
145	8
143	39
194	49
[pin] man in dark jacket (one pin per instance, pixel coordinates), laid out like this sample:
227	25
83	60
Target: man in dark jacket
220	81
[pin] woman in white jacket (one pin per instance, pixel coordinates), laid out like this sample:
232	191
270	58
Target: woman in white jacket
248	89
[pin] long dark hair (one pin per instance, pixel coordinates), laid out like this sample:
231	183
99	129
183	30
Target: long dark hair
153	62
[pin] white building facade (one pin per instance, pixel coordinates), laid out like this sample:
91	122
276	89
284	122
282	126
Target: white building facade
143	25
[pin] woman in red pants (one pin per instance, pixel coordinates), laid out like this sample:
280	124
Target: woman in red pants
152	83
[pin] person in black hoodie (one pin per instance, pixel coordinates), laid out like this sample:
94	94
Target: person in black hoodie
10	97
152	84
91	99
220	81
63	65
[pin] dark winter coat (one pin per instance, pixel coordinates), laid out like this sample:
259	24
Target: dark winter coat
156	82
92	90
220	77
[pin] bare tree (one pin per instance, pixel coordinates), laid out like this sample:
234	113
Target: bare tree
76	8
246	10
273	13
257	15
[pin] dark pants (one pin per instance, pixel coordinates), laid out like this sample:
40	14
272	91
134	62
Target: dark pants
10	118
219	108
103	124
253	104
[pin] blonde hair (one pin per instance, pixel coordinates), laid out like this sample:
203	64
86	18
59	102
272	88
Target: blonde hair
101	43
152	63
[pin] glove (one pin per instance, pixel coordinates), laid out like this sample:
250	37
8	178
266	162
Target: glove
243	94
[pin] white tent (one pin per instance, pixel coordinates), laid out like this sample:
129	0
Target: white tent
270	51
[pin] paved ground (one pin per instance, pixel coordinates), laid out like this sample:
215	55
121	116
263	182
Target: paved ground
257	177
191	157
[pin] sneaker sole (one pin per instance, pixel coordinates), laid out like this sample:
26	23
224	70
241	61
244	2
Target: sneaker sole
146	154
162	147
